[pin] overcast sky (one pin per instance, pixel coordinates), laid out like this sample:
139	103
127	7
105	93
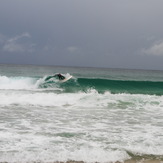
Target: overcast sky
92	33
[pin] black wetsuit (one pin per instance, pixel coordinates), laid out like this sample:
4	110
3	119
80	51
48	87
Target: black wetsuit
61	77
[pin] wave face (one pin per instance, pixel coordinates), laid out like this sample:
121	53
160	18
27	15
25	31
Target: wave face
82	84
123	86
133	82
97	116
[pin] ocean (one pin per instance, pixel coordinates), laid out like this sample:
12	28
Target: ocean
99	115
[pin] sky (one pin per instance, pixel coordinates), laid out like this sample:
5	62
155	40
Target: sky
86	33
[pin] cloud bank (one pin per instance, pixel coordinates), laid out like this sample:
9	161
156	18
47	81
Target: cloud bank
17	43
107	33
156	49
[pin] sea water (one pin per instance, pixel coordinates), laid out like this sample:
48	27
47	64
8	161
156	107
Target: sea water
100	115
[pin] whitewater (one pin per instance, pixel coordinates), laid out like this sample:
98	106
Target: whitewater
100	115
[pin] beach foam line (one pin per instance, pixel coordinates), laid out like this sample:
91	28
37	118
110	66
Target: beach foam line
71	161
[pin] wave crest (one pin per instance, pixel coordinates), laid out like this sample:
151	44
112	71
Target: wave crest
82	84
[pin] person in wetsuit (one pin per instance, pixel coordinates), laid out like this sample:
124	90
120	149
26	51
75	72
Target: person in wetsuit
60	77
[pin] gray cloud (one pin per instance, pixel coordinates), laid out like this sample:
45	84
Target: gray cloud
156	49
17	44
13	47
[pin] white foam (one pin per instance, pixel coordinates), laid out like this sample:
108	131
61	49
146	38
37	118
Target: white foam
16	83
62	154
90	99
90	127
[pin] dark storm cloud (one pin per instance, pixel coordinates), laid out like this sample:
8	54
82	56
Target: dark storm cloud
105	33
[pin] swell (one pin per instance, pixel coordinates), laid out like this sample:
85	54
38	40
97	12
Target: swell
123	86
83	84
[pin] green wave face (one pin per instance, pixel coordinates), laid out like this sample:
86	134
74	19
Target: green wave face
122	86
113	86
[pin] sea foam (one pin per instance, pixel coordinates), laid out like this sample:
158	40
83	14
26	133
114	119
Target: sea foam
38	123
16	83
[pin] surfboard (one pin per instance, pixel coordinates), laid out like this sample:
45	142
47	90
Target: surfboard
66	79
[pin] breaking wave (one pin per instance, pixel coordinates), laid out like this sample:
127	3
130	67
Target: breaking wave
82	84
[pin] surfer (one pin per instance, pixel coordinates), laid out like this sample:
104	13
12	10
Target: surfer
60	77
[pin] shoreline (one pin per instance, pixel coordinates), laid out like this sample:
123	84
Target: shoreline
71	161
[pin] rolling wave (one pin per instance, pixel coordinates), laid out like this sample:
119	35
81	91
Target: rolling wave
82	84
123	86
